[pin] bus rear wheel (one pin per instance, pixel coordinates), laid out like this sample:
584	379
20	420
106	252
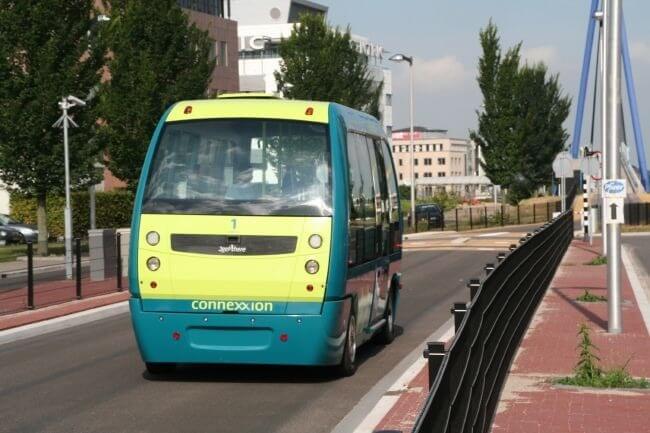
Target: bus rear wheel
158	368
348	365
387	333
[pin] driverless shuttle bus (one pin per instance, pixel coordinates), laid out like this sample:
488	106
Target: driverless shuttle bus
265	231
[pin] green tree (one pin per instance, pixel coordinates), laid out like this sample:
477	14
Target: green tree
321	64
156	59
520	124
48	49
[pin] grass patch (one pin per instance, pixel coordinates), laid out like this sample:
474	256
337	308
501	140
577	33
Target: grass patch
588	373
600	260
589	297
9	253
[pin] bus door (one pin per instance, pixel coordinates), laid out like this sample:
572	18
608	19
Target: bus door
381	287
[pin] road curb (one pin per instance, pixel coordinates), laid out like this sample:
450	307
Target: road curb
373	406
63	322
633	275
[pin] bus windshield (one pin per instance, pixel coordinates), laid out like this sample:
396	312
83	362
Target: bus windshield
241	167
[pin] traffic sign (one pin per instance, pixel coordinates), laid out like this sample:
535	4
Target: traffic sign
614	188
562	165
614	207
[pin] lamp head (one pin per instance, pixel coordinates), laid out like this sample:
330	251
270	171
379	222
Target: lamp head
401	58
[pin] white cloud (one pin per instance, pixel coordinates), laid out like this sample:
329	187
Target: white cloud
640	51
545	53
435	75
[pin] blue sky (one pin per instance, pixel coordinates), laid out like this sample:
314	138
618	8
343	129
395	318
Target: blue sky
443	37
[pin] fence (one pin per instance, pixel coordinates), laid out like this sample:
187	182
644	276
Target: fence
637	214
466	380
31	282
476	217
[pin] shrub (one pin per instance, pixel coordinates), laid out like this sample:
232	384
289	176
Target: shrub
112	210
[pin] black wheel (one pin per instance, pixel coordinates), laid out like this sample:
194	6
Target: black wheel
387	333
157	368
348	365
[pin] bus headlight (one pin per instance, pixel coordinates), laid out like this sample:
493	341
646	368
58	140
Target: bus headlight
311	266
153	263
315	241
153	238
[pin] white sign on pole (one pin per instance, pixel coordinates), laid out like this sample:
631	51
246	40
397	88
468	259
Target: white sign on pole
614	188
590	166
614	210
562	165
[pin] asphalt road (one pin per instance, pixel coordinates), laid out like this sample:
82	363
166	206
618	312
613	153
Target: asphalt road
91	378
640	245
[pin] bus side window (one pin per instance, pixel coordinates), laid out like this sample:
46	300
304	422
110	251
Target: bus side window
367	165
382	195
393	197
356	224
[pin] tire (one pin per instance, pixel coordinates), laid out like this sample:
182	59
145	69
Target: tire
387	333
159	368
348	365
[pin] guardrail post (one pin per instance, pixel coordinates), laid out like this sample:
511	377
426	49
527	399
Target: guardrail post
534	212
474	284
434	353
471	225
513	247
503	215
518	216
489	268
118	249
501	256
456	219
30	275
458	310
77	251
548	211
486	218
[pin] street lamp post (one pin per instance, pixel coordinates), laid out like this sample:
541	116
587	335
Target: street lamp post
409	60
65	121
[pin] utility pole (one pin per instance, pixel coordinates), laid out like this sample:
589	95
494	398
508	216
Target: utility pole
65	121
612	125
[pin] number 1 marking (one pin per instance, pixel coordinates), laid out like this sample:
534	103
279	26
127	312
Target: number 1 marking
234	223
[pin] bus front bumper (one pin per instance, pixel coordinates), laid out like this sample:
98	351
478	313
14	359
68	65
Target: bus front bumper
165	337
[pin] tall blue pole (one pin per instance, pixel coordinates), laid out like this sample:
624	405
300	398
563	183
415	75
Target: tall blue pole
634	109
584	79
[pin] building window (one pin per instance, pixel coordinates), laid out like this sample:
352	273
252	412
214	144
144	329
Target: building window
415	161
393	149
401	176
389	99
428	147
441	161
212	7
441	174
427	161
400	162
417	175
389	130
222	54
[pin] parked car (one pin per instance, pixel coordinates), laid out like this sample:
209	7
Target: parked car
432	213
28	232
9	235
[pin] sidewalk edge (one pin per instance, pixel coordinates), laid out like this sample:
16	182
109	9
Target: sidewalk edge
629	262
63	322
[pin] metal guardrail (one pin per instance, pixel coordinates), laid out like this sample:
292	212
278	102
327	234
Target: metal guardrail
466	380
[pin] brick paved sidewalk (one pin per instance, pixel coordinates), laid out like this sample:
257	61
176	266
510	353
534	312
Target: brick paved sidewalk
529	403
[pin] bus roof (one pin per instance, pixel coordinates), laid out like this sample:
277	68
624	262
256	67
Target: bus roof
256	108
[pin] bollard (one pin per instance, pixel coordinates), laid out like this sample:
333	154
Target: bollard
534	212
529	235
118	249
473	285
77	251
548	211
489	268
501	256
503	215
486	218
471	224
522	240
456	219
30	276
513	247
518	216
435	353
458	310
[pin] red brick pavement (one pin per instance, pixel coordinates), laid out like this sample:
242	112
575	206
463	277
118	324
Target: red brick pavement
529	402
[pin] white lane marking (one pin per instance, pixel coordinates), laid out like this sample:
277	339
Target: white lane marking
490	235
375	402
459	241
63	322
633	270
383	406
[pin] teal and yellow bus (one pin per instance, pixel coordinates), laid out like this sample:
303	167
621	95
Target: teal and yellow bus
265	231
